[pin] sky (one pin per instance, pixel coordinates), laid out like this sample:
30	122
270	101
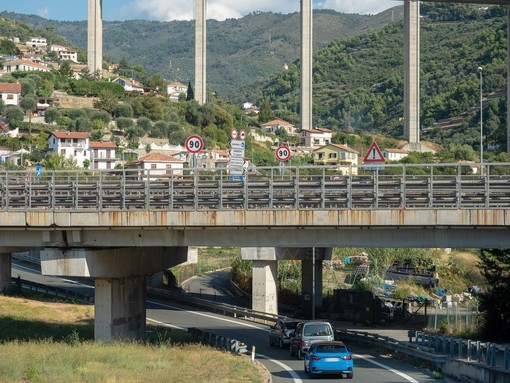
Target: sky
168	10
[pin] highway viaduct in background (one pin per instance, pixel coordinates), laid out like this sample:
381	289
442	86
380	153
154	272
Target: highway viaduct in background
411	59
118	227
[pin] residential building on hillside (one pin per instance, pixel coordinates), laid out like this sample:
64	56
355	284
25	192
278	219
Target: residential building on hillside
175	89
64	53
336	154
102	155
71	145
24	65
10	93
316	137
37	42
394	154
274	125
129	85
158	165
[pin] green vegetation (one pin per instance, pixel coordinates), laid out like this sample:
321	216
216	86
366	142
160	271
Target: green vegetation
45	341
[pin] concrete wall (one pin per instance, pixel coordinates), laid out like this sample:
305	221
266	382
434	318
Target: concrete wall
5	272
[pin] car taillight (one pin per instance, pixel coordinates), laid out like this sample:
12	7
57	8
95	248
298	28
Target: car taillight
348	357
303	344
315	357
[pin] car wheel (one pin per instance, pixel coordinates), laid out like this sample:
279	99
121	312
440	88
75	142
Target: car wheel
299	354
307	371
291	351
310	375
281	343
350	376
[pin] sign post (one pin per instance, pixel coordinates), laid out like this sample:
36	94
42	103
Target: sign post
194	144
282	154
236	155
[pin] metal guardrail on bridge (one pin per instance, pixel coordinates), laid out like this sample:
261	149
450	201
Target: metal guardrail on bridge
425	186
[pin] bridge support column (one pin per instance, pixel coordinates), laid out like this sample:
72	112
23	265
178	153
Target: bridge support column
200	92
119	308
120	282
508	85
306	64
264	297
5	271
95	36
412	73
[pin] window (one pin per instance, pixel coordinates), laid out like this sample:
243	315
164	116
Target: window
320	156
10	97
332	155
153	166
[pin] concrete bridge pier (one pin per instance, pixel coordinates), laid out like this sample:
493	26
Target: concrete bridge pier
264	277
120	287
5	271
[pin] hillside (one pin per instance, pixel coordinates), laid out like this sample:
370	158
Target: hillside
239	51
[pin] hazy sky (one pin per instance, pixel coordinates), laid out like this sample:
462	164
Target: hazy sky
166	10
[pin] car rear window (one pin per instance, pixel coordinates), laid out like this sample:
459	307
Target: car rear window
291	325
321	329
330	348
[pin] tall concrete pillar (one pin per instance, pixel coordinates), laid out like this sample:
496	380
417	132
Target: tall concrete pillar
412	72
507	84
95	36
119	308
311	269
264	276
200	52
306	64
5	272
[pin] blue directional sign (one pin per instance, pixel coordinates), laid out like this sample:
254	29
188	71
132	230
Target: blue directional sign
38	171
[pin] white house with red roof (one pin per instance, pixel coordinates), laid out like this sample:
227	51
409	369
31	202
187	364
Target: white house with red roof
64	53
176	89
312	138
273	126
10	93
129	85
158	164
102	155
37	42
71	145
24	65
394	154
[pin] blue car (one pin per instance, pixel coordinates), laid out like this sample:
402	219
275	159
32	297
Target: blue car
331	358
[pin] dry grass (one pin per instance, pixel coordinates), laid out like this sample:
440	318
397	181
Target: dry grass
29	330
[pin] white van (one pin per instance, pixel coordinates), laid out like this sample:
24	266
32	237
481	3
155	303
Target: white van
307	333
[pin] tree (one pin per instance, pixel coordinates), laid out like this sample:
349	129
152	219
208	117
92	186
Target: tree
60	162
106	101
14	113
2	107
65	69
495	267
29	104
190	95
265	113
51	115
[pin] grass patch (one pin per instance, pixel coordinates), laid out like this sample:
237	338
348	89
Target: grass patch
50	341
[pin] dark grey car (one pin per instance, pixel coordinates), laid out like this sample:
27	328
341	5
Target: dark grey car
281	332
307	333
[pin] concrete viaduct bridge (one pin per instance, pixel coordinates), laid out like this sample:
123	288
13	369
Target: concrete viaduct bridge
117	226
411	59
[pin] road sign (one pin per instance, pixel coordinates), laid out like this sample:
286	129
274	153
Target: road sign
237	144
194	144
236	170
236	161
282	153
374	154
38	171
236	178
242	134
237	153
233	134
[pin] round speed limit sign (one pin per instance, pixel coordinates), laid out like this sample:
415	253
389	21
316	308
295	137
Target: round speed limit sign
194	144
282	153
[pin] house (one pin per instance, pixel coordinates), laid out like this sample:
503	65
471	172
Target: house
10	93
273	126
316	137
335	154
394	154
102	155
157	164
4	153
37	42
211	159
43	103
24	65
71	145
175	90
64	53
129	85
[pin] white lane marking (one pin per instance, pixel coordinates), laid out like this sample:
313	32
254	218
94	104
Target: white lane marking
292	373
405	376
166	324
35	271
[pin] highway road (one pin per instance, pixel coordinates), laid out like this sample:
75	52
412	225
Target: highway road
369	367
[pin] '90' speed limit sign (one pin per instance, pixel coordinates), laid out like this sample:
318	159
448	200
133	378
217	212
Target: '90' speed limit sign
282	153
194	144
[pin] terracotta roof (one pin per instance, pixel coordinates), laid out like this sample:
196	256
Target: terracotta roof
79	135
343	147
177	84
155	157
10	87
277	121
100	144
317	130
25	62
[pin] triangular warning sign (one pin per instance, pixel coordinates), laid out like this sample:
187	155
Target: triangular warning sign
374	154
